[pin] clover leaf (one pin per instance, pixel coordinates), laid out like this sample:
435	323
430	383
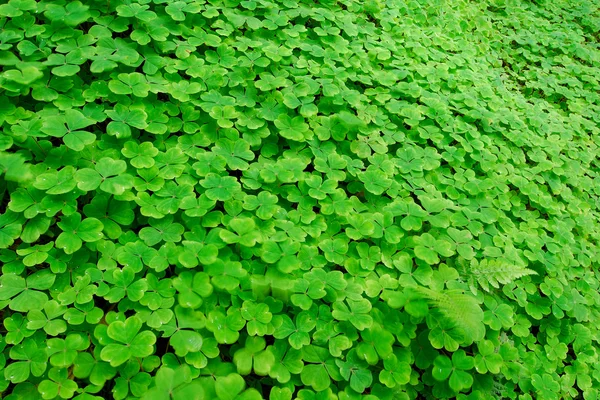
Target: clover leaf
141	155
487	359
225	327
16	328
258	317
429	248
264	204
47	320
108	175
11	228
244	232
123	118
133	83
221	188
356	372
183	340
28	360
59	384
456	369
129	342
253	357
192	288
320	368
288	361
230	386
356	312
69	127
58	182
73	14
161	230
247	199
292	128
114	214
75	231
26	294
298	334
131	380
173	383
63	352
397	369
123	284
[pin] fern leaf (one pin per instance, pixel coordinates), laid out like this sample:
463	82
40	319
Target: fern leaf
461	309
496	272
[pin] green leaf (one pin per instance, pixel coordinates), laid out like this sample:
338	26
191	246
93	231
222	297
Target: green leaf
315	376
310	200
185	341
133	83
442	368
292	128
229	387
253	357
18	290
76	231
221	188
357	312
24	75
131	342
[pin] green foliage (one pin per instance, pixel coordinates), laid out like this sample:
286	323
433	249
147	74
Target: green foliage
290	199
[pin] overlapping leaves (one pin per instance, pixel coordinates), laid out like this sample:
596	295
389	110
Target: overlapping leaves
248	199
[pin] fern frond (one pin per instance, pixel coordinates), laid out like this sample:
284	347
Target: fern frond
461	309
495	272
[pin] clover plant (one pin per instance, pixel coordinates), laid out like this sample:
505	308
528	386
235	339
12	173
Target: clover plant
297	199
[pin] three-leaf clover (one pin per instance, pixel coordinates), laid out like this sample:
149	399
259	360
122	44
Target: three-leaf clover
59	384
253	356
115	215
356	312
429	248
141	155
230	386
63	352
161	230
128	342
225	327
292	128
133	83
69	127
47	319
123	118
108	175
244	232
288	361
186	338
174	383
258	318
124	283
298	332
221	188
356	372
192	288
487	359
455	368
59	182
75	231
28	358
320	368
26	294
264	203
397	368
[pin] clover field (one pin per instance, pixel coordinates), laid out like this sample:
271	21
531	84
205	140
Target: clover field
291	199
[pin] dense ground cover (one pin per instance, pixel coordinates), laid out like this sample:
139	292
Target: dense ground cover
343	200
